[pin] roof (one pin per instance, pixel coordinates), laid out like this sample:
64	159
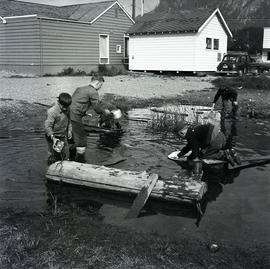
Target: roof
173	22
81	12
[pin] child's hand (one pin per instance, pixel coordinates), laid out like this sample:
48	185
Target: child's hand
69	135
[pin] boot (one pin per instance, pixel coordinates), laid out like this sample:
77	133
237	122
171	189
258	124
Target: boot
72	154
235	156
228	157
80	158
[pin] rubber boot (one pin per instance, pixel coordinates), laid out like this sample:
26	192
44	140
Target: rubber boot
80	158
72	154
235	156
80	154
228	157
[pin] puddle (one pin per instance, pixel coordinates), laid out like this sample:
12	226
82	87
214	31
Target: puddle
236	205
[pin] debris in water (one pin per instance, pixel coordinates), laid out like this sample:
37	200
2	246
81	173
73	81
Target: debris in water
214	248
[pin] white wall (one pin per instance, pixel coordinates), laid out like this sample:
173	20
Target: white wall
168	52
178	52
266	38
207	59
266	44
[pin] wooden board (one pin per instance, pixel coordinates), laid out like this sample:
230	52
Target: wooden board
251	162
178	189
173	156
142	197
96	129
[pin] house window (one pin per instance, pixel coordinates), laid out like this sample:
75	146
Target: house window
268	56
209	43
216	44
103	49
118	48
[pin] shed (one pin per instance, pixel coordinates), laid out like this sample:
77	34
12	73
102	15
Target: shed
43	39
266	45
186	40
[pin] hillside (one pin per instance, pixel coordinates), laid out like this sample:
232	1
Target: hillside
238	13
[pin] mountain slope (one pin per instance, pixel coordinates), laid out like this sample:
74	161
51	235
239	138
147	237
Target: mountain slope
237	13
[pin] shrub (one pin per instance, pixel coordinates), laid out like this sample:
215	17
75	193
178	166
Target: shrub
111	70
66	72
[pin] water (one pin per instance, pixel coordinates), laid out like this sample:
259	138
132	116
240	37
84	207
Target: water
237	204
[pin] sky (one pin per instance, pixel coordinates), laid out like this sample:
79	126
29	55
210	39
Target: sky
127	4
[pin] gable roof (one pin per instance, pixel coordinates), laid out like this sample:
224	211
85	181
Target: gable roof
182	21
80	12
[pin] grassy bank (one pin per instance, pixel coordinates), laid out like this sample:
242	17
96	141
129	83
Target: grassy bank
75	238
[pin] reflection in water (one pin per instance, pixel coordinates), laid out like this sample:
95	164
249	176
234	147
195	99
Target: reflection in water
23	166
87	198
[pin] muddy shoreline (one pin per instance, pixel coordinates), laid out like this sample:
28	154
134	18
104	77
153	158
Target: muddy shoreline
69	235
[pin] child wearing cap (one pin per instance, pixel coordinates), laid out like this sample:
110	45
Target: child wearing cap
58	128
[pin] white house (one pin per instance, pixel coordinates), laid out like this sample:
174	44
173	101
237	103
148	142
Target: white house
266	45
186	40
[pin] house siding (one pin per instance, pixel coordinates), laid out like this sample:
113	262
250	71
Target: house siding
20	45
266	45
168	52
76	45
207	59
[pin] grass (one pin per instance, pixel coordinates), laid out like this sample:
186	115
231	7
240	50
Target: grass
261	82
75	238
127	103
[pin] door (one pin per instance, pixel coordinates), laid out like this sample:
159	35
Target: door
104	49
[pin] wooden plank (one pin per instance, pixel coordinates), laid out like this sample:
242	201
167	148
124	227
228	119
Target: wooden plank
250	162
177	188
173	156
97	129
142	197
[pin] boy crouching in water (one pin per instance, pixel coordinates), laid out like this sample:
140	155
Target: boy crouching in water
58	128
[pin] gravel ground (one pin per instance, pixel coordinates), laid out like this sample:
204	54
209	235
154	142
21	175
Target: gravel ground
46	89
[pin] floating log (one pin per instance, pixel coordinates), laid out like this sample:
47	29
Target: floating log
184	189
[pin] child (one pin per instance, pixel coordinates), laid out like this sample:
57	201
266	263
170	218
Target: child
58	128
228	95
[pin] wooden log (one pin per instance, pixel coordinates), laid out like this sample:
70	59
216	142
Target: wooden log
183	189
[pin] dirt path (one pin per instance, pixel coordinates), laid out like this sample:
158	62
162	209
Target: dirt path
46	89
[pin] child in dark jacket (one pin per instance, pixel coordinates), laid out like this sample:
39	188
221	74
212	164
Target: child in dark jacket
228	95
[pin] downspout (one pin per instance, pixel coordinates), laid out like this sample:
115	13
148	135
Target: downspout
41	49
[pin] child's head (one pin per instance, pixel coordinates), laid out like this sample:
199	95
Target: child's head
98	77
64	100
97	81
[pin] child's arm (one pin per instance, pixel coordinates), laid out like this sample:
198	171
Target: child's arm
49	123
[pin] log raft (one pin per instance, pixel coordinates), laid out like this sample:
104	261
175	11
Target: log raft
184	189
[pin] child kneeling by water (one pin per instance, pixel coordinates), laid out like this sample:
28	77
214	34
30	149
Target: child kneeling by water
206	141
58	128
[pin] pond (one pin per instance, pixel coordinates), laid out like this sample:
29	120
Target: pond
236	207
